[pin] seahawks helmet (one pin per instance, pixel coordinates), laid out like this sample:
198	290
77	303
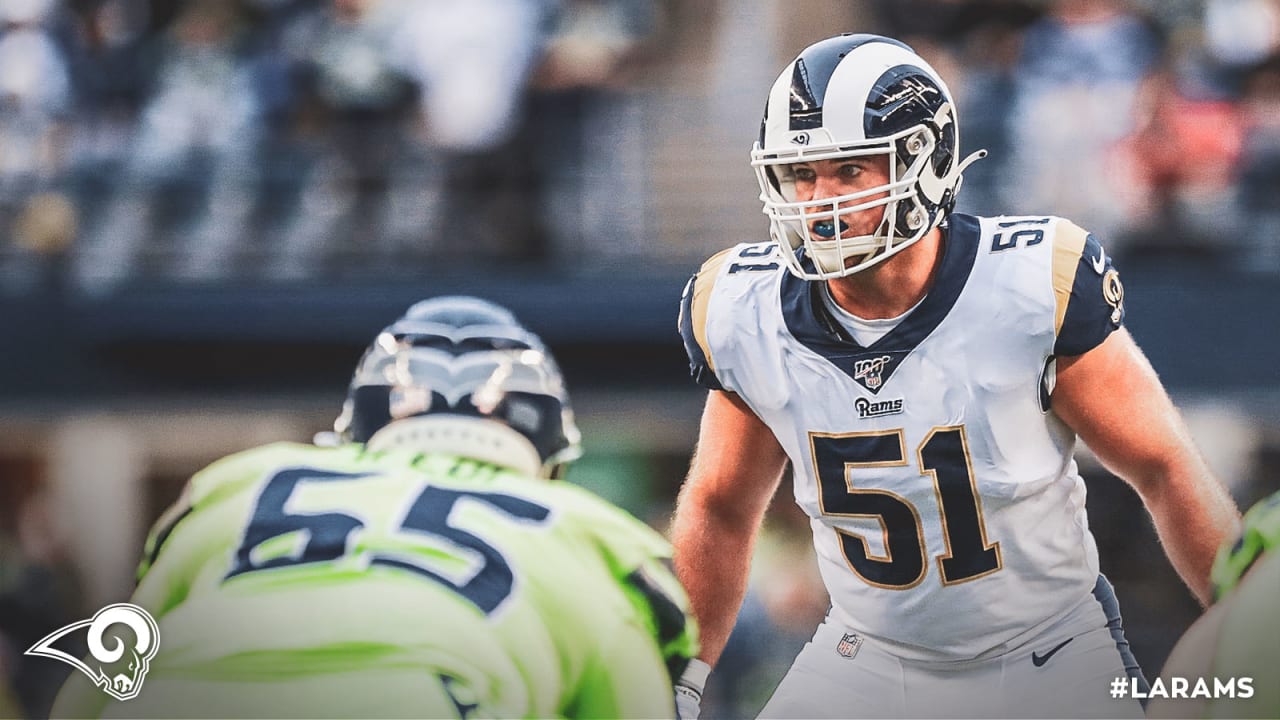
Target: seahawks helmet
460	375
858	96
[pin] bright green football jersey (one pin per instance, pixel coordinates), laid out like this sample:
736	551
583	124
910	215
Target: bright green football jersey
1260	532
293	580
1247	644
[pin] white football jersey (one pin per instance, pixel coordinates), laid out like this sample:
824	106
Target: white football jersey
947	512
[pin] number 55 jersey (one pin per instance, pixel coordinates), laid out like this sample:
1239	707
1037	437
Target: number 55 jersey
947	513
296	581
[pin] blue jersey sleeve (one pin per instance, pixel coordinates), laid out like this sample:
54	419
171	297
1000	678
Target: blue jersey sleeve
1091	297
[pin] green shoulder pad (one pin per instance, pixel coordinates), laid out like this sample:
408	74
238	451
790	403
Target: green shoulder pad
1260	534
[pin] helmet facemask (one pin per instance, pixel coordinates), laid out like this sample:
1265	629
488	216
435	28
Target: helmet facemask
890	105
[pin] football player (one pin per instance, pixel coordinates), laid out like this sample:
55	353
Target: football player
926	375
1235	638
428	565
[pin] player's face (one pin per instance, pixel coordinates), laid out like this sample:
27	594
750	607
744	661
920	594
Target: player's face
822	179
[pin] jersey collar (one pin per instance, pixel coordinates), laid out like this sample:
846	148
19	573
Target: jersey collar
809	321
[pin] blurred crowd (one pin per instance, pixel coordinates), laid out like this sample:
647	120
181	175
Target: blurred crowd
205	140
213	139
1154	124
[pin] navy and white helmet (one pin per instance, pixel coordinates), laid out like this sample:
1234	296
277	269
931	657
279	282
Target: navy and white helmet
460	375
858	96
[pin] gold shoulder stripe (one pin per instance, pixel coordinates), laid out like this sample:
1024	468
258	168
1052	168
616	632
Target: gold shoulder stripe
1068	245
702	300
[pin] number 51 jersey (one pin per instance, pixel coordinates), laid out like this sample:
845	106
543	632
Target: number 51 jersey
947	513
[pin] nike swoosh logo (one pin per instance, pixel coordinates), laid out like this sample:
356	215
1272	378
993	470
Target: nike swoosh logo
1038	660
1100	262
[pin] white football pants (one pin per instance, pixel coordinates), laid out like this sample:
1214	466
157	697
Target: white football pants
1066	670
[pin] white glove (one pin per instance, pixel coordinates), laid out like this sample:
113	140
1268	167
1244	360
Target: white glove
689	689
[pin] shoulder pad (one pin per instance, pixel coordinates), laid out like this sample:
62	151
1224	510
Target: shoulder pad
1260	534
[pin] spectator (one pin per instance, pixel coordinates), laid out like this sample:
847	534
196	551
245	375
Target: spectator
1259	180
342	62
1176	170
987	62
113	67
1077	81
34	101
34	94
189	158
589	132
472	64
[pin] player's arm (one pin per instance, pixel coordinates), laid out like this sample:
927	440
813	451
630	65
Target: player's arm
735	470
1113	400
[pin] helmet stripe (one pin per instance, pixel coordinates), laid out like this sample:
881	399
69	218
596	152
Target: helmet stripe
811	74
857	78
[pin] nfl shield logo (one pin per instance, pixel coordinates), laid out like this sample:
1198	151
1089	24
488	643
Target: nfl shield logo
848	645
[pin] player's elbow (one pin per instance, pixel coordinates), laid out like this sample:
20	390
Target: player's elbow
1153	475
1162	454
697	506
1147	473
703	510
1176	476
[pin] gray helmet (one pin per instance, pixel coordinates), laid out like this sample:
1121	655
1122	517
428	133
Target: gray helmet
460	375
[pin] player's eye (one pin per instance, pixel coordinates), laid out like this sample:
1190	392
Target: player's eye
850	170
804	174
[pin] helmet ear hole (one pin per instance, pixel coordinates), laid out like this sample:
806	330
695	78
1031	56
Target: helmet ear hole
917	142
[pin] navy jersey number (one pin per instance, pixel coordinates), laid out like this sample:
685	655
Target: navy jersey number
944	456
325	536
755	252
1025	237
